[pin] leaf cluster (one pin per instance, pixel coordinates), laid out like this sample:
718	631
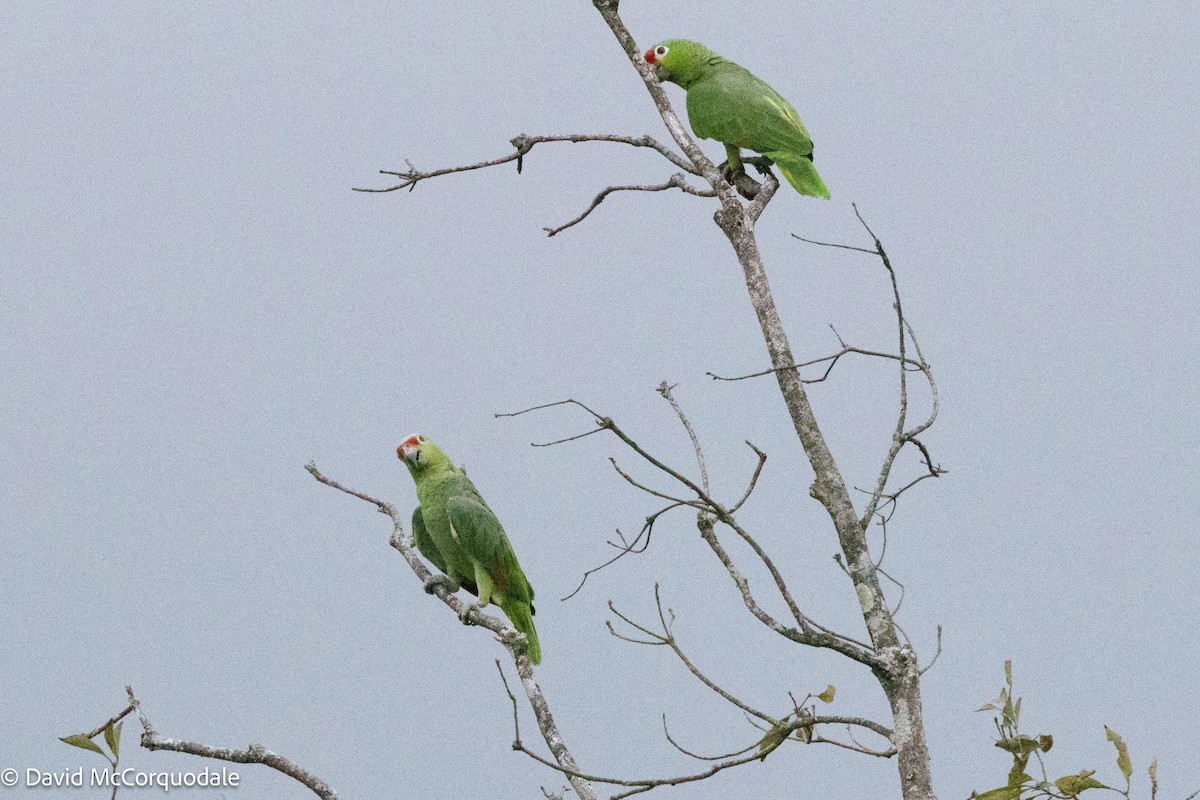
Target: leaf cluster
1024	747
87	741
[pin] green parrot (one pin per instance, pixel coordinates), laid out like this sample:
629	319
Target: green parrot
454	528
725	102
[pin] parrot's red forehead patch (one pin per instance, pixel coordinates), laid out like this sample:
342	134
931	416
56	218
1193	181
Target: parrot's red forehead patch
650	59
411	441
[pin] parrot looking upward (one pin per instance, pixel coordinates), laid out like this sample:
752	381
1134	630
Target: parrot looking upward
727	103
454	528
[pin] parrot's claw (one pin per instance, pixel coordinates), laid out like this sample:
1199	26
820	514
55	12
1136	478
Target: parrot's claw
434	581
464	615
763	165
729	174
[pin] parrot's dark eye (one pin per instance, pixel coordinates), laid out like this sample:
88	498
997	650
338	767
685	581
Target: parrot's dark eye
420	438
660	51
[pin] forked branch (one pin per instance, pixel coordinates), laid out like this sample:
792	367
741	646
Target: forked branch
806	631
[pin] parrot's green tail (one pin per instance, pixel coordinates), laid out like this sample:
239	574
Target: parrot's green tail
522	620
800	173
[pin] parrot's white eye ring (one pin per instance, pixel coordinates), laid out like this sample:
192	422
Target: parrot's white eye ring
660	51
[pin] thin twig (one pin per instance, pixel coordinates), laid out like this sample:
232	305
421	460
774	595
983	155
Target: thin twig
762	459
936	655
839	246
113	720
626	548
676	181
678	747
665	391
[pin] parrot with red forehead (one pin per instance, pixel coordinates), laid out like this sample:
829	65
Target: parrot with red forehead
727	103
454	528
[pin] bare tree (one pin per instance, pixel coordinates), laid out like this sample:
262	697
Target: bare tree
884	649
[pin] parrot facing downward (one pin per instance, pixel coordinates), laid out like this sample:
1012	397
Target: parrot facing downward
727	103
454	528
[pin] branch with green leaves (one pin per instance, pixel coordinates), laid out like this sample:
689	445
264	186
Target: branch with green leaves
1023	747
151	740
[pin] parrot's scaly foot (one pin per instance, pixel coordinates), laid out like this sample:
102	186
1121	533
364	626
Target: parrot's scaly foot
729	173
464	615
763	165
434	581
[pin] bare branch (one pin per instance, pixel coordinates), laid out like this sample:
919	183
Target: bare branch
676	181
568	402
524	143
857	748
677	746
936	655
665	391
646	784
839	246
574	438
833	359
653	492
627	547
760	199
113	720
513	698
667	637
762	459
254	754
861	722
900	437
809	632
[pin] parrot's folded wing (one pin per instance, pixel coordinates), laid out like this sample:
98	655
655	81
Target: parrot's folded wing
427	548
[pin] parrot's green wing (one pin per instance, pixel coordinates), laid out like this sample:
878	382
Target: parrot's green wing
732	106
497	572
424	541
428	548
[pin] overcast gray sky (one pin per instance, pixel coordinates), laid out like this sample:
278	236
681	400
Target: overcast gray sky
196	304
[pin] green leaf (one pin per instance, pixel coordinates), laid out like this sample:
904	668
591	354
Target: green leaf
775	737
1017	776
81	740
112	735
1008	672
1072	785
1123	762
1047	741
1020	745
1002	793
827	695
